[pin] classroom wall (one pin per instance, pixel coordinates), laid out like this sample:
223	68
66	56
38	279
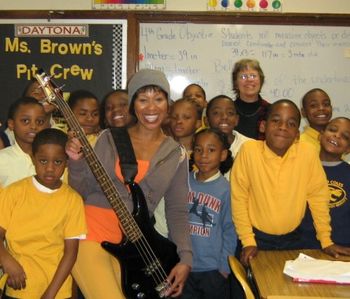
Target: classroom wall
289	6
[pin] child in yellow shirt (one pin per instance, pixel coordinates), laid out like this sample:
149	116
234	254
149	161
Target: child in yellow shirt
42	220
317	109
272	181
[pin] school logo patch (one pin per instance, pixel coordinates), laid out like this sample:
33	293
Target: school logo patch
338	194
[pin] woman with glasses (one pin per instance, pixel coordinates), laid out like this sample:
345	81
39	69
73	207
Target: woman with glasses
248	79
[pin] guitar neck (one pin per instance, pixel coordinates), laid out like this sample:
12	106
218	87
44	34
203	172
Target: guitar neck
128	223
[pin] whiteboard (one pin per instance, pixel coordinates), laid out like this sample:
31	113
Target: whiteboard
294	58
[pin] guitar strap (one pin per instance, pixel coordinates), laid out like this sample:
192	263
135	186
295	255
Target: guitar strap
127	158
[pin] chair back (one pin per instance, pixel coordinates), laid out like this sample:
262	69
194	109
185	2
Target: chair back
241	276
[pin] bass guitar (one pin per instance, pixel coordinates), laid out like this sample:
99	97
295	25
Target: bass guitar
145	256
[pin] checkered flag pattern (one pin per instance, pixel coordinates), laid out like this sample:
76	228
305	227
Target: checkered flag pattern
117	58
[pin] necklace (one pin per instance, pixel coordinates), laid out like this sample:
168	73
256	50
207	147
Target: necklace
246	114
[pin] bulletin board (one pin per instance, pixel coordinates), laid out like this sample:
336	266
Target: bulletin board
79	54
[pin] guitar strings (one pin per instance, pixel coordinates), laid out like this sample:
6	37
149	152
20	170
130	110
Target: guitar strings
148	256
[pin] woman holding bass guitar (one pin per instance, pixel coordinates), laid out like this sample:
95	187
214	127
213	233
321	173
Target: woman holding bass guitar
162	172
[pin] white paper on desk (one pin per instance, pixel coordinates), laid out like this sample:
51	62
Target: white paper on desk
306	268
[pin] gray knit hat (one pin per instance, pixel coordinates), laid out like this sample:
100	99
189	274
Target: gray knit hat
147	77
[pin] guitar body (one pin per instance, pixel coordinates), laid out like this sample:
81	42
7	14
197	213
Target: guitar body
135	279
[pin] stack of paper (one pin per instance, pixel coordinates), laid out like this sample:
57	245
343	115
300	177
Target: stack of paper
307	269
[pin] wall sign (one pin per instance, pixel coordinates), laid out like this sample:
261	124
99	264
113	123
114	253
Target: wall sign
129	4
84	55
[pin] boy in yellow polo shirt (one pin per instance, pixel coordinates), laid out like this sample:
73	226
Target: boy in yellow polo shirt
272	181
317	109
42	220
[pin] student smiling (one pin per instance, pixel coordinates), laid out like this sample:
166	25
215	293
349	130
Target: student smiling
272	181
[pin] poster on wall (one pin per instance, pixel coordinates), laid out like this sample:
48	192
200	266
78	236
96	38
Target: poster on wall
245	5
129	4
84	55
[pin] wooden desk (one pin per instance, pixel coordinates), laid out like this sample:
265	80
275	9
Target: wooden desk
267	269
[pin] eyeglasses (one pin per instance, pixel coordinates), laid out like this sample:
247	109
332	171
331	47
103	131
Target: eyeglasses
248	76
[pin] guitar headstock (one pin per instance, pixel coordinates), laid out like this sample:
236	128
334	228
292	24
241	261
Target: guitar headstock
51	91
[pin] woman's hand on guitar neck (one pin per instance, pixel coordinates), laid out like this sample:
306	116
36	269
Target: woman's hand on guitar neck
74	148
177	279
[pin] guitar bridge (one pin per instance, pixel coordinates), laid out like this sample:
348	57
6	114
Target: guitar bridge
162	288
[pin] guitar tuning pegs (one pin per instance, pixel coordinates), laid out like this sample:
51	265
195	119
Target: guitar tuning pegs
59	90
46	78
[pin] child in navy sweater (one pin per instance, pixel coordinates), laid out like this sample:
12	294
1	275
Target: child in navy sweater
212	232
335	143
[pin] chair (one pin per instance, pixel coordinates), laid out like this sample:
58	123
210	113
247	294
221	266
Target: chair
2	283
241	276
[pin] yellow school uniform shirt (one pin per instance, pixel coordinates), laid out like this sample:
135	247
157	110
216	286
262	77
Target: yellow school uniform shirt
36	224
312	136
270	192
